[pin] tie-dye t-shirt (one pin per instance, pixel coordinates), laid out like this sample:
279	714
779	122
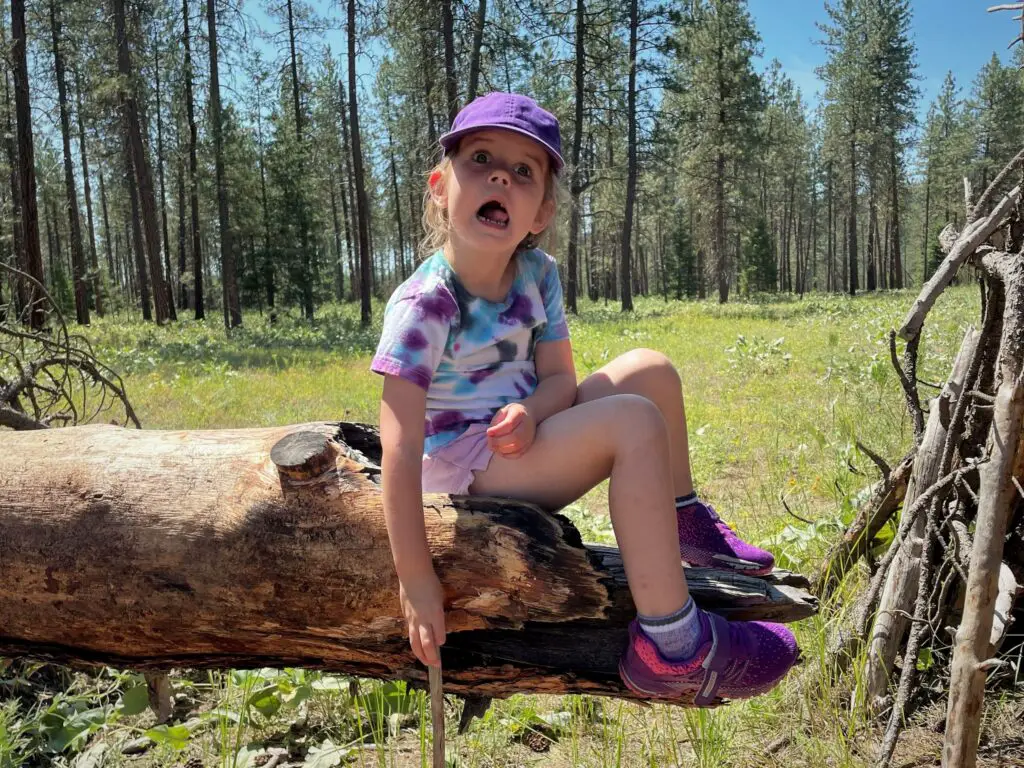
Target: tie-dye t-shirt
471	355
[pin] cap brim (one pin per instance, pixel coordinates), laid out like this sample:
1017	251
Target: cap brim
450	139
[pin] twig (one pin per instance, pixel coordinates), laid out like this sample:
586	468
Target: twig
908	375
884	468
791	513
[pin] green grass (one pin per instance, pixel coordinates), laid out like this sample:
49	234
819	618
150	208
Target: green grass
778	392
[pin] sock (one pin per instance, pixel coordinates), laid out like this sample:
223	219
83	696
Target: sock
687	500
677	636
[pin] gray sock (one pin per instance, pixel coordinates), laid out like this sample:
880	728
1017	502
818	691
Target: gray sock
677	635
687	500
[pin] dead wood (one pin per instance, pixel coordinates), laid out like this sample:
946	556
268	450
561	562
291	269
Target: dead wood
997	493
152	550
966	244
872	516
901	577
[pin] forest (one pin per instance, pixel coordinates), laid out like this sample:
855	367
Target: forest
175	159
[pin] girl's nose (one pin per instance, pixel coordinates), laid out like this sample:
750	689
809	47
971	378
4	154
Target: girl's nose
500	175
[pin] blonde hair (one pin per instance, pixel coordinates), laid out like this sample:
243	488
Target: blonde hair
436	224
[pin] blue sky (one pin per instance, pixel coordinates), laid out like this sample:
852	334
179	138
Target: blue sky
957	35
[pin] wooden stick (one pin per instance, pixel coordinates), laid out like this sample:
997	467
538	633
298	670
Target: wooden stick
437	714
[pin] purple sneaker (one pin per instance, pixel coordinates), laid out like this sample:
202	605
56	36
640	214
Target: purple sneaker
705	541
736	660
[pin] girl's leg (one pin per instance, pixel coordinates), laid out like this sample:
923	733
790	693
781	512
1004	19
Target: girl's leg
623	437
649	374
703	539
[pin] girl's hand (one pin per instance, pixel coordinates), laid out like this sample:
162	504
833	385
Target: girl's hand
423	605
512	431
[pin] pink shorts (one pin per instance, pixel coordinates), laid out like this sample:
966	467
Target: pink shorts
452	468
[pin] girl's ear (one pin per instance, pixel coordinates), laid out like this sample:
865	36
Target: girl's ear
436	183
544	215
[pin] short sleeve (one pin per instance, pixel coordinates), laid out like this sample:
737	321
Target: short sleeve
551	295
415	333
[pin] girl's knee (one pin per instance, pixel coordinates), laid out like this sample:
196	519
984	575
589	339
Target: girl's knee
653	366
639	420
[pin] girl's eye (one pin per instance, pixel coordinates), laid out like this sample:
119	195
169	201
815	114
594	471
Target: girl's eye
479	157
523	170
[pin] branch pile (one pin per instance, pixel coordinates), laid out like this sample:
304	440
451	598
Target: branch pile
959	491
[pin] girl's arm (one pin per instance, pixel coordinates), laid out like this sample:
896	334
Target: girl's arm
556	380
402	409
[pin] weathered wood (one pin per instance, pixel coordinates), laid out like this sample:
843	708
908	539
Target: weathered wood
966	244
1007	590
900	588
153	550
996	493
857	538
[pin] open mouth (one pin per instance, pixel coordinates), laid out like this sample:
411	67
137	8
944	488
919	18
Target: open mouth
493	214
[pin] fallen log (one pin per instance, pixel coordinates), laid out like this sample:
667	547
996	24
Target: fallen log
267	547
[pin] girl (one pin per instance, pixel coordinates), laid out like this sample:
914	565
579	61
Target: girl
480	396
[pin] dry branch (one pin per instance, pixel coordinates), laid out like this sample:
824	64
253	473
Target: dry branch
966	244
152	550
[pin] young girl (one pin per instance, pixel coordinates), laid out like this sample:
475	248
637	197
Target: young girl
480	396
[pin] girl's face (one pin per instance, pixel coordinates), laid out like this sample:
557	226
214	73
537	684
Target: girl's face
494	193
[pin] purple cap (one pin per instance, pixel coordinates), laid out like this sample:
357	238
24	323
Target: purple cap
509	112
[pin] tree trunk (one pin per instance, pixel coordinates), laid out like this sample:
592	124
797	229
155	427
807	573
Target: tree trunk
232	306
21	295
108	239
398	203
172	312
927	212
474	54
182	233
896	255
339	273
631	164
575	190
32	263
140	162
142	280
448	34
193	182
267	547
361	205
78	266
306	255
97	283
348	185
851	247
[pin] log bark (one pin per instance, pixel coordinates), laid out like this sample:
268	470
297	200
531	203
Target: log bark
996	493
900	590
267	547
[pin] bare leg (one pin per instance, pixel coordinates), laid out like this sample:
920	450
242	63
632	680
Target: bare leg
623	437
650	374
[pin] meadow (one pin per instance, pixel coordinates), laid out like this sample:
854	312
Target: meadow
779	392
